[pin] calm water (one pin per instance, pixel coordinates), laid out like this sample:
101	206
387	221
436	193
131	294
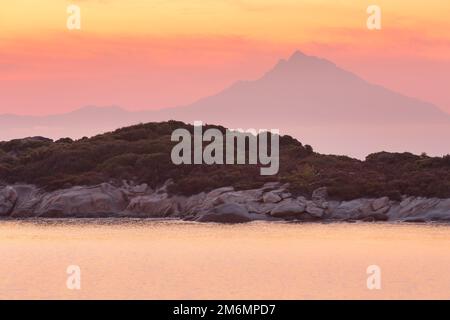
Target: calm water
176	260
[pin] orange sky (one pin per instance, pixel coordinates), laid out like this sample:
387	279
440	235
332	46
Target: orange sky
142	54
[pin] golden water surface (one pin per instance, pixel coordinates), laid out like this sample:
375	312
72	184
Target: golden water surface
143	259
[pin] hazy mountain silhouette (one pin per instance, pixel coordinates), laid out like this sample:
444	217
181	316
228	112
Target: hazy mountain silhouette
307	97
309	90
86	121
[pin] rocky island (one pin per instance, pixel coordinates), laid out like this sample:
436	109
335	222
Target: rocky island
128	173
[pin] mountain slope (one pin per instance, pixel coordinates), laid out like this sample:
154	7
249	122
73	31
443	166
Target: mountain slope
309	90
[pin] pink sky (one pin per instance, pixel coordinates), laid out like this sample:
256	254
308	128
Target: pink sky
45	69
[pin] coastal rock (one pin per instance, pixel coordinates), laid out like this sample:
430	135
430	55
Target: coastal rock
214	198
219	205
288	208
131	188
332	205
193	204
82	202
314	210
270	197
29	198
226	213
217	192
142	188
243	196
405	201
380	203
155	205
375	217
349	209
227	195
260	208
441	212
285	195
415	207
165	187
384	210
8	198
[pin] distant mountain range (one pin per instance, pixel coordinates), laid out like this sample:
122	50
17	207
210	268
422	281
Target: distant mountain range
304	96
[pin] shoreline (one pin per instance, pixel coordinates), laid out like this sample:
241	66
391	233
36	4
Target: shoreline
272	202
120	221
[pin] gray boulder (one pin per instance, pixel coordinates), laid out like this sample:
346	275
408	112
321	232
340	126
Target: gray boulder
375	217
423	209
260	208
155	205
271	197
8	199
29	198
94	201
142	188
314	209
226	213
288	208
349	210
441	212
217	192
241	197
380	203
417	207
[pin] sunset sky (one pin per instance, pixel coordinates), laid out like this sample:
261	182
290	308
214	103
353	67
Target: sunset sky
147	54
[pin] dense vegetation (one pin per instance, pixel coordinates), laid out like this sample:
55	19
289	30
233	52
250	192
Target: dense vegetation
141	153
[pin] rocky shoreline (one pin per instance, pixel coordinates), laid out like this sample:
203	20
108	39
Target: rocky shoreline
272	202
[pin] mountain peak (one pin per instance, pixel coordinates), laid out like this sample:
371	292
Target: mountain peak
300	64
300	58
295	58
297	55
